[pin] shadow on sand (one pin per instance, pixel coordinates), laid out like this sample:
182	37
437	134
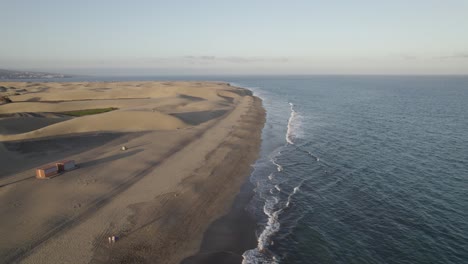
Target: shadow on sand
95	162
196	118
85	165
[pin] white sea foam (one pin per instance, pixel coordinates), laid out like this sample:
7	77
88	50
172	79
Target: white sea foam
254	256
312	155
294	124
289	136
278	166
295	190
272	226
273	212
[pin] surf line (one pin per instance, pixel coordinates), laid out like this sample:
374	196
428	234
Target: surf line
290	131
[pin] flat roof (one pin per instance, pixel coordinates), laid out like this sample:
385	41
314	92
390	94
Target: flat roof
48	166
64	161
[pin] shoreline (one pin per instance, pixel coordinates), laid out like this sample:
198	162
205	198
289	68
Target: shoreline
229	236
232	234
218	201
160	198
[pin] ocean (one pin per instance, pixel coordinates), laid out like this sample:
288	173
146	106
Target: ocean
361	169
358	169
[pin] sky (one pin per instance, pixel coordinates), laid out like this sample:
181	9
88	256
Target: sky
150	37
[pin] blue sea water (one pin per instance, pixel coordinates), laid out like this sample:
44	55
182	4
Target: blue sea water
358	169
361	169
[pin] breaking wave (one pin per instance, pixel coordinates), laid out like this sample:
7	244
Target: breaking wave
294	124
273	208
278	166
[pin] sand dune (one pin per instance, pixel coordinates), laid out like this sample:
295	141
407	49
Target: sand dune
15	123
115	121
190	146
154	106
112	90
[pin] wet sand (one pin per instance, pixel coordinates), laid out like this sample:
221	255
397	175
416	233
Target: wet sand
229	236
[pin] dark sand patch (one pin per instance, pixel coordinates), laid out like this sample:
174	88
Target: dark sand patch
59	144
230	236
241	91
227	98
17	125
103	89
33	99
193	98
84	112
32	114
35	153
37	90
196	118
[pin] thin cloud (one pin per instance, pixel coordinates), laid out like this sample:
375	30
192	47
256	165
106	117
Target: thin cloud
201	58
403	56
208	59
409	57
455	56
235	59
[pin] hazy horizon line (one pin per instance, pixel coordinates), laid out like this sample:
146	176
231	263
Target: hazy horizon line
173	73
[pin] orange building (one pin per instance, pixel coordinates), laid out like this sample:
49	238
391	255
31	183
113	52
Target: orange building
46	171
54	169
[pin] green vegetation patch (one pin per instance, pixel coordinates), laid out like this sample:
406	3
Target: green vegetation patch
85	112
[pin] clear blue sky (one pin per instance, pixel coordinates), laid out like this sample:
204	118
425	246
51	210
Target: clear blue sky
238	37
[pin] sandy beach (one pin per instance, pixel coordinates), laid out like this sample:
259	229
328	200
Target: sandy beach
190	146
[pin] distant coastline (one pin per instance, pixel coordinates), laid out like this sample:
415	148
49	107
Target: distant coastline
27	75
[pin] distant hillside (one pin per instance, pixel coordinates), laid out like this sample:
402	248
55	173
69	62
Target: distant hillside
9	74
